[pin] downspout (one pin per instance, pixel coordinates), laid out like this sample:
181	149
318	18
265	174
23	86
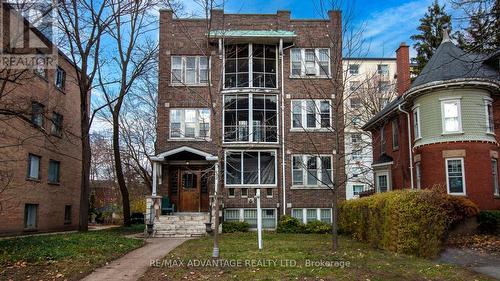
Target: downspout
410	152
283	162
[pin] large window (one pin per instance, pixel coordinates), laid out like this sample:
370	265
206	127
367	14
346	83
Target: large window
189	70
494	173
416	123
311	114
451	116
312	214
312	171
310	62
455	176
490	127
250	216
189	123
34	167
250	168
250	65
250	118
54	171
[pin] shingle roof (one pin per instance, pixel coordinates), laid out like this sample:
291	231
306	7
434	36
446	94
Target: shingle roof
450	62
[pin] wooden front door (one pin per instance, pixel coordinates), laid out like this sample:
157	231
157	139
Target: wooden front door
190	191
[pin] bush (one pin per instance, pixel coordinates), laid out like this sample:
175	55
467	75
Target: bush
235	226
137	218
318	227
489	222
409	222
288	224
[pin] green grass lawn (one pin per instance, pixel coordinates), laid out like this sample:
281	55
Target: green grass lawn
364	263
66	256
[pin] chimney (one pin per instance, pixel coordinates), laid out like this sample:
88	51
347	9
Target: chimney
403	68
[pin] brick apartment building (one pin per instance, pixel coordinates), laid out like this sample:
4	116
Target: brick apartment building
40	163
262	87
445	125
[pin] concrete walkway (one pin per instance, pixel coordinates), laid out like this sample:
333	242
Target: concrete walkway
485	263
134	264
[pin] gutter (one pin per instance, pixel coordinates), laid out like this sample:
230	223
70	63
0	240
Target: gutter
410	152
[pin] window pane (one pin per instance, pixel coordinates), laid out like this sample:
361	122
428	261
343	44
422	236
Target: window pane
312	171
297	114
325	114
250	216
267	168
54	167
326	215
298	167
326	170
455	177
233	168
311	215
311	114
231	215
382	183
34	167
298	214
250	168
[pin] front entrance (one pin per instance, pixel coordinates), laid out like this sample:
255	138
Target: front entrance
189	189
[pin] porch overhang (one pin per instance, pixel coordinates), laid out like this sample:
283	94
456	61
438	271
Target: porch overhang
161	157
252	35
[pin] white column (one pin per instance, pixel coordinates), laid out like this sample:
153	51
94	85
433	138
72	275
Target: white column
154	178
259	219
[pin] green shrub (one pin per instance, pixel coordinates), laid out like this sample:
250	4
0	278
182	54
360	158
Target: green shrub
235	226
489	222
409	222
318	227
288	224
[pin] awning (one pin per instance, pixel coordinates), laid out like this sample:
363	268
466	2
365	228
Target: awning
267	35
183	150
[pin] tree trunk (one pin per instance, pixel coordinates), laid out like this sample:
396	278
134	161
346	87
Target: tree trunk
83	224
119	170
335	237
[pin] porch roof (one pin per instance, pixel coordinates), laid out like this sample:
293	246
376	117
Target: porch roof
286	35
183	149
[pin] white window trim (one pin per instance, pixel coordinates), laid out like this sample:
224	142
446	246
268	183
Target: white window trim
183	125
304	184
303	115
489	101
451	100
349	69
250	68
448	179
250	120
241	214
275	184
357	184
318	214
496	181
416	109
303	63
183	70
383	173
229	194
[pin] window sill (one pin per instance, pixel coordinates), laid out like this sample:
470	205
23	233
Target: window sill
236	143
491	133
309	77
188	85
188	139
239	89
320	130
33	180
250	186
53	183
458	194
452	133
67	223
309	187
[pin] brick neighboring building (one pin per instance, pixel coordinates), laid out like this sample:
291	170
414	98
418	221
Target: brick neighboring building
40	147
253	96
451	114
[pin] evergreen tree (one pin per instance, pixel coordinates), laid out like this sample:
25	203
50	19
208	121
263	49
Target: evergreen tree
431	34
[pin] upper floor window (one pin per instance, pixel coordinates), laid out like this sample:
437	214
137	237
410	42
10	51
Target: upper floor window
310	62
490	123
416	122
383	69
383	86
57	120
40	69
54	171
190	123
356	103
382	140
354	69
60	78
308	170
354	85
250	118
311	114
37	114
250	65
34	166
189	70
356	138
451	116
250	168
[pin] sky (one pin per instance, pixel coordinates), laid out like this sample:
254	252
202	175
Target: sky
385	23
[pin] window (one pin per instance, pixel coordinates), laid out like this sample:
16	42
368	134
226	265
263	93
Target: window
310	62
37	114
250	216
356	120
355	103
250	118
54	171
356	189
298	214
382	140
354	69
490	127
312	214
312	171
356	138
357	154
383	86
418	173
40	69
60	78
383	102
383	182
354	86
189	181
416	123
451	118
250	168
189	70
230	192
268	218
356	171
269	192
311	114
231	215
395	134
244	192
67	214
57	120
34	167
189	123
383	69
30	216
494	173
455	176
326	215
250	65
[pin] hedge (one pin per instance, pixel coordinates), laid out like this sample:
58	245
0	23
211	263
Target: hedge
288	224
409	222
489	222
235	226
